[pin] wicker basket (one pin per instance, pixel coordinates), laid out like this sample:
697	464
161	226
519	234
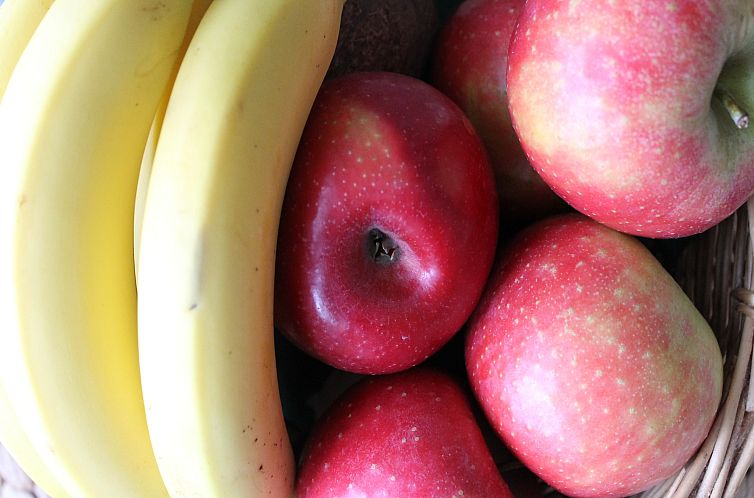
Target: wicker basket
716	270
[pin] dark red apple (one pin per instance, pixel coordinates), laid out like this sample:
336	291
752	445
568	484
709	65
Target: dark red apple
389	225
408	435
590	361
635	112
470	66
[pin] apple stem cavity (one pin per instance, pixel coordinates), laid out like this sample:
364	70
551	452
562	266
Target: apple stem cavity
382	248
739	116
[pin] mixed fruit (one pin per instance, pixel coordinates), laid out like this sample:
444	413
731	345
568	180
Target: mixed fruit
444	208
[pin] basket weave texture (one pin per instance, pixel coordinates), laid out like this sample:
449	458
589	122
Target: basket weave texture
716	270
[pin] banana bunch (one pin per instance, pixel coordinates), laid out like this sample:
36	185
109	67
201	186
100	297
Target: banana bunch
157	131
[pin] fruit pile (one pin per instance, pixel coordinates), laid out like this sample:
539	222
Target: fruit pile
350	248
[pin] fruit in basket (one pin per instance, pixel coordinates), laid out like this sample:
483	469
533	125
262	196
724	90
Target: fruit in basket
207	282
389	225
590	362
206	266
470	66
635	112
410	434
385	35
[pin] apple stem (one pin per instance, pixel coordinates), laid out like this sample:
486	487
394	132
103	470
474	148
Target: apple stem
382	247
739	116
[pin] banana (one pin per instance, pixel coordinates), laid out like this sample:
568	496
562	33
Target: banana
142	185
18	21
206	270
73	124
145	170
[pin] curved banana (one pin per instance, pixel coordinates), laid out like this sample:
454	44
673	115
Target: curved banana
73	123
142	185
145	170
206	271
18	21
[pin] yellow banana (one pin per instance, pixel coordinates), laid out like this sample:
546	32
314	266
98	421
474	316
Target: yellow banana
73	123
142	185
197	12
18	21
206	270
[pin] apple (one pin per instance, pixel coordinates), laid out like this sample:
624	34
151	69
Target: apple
470	66
410	434
589	360
636	112
388	228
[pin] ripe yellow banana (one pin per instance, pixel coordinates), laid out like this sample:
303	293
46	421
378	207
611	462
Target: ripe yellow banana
18	21
142	185
206	270
145	170
73	123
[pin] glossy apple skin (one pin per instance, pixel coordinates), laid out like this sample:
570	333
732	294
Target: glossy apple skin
590	362
470	66
613	103
384	151
409	435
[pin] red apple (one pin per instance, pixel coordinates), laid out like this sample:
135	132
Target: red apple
470	66
629	110
590	361
409	435
389	225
